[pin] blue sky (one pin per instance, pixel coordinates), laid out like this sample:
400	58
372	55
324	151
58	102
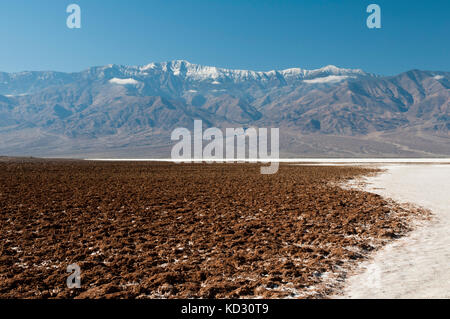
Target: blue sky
244	34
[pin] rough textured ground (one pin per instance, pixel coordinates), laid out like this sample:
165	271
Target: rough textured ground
150	230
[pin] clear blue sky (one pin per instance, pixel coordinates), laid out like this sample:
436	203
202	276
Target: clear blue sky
258	34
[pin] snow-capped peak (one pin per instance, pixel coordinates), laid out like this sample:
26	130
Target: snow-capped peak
196	72
330	68
186	71
334	70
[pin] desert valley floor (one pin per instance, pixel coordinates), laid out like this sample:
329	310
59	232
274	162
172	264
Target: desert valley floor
162	230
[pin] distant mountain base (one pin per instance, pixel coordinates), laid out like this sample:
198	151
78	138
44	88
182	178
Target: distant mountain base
292	145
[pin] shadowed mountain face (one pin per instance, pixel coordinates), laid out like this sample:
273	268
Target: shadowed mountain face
130	111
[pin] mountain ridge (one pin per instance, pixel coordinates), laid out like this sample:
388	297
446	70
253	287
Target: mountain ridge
132	109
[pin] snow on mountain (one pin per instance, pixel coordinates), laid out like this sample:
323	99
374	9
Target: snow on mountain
195	72
128	81
328	79
177	75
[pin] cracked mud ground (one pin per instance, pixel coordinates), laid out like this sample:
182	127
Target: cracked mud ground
160	230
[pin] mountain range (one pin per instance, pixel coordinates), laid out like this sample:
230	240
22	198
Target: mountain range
130	111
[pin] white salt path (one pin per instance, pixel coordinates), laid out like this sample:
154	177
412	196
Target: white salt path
418	265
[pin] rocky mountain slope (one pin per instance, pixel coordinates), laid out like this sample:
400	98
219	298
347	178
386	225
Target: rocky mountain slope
130	111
